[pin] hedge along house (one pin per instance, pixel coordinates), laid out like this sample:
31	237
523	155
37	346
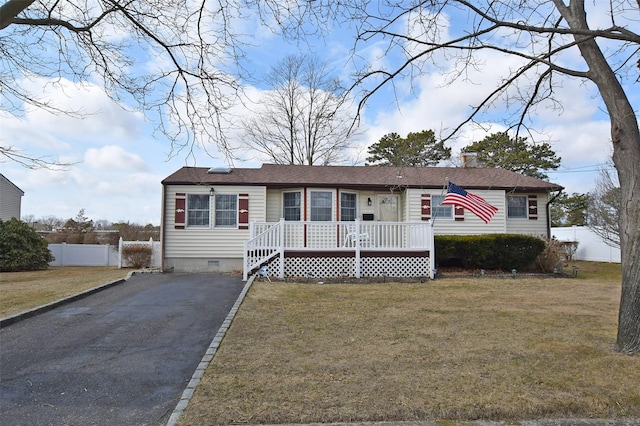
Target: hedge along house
330	221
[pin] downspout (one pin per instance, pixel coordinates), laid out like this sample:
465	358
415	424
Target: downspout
549	213
162	227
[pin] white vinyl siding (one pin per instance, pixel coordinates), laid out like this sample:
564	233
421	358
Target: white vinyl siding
471	225
536	227
211	242
274	205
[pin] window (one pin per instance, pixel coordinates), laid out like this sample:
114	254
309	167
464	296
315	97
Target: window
320	206
517	207
226	214
291	205
440	211
197	210
347	206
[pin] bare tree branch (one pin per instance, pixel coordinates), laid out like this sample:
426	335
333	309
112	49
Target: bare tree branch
603	216
551	41
50	162
305	118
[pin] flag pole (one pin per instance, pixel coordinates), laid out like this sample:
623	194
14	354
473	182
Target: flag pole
432	254
433	208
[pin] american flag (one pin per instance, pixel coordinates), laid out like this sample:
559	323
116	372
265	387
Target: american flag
456	195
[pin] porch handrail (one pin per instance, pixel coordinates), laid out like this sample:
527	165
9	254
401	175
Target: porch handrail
268	239
262	247
332	235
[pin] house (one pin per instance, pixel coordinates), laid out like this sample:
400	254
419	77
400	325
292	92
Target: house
324	221
10	199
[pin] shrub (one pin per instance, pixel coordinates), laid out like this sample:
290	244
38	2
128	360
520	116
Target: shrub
137	256
516	251
490	251
552	257
21	248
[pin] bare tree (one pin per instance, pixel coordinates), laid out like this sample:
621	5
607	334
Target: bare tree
603	214
548	41
177	61
305	118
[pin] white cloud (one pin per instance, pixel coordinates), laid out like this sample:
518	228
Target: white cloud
101	118
588	142
114	158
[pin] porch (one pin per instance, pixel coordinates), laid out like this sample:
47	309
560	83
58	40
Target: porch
338	249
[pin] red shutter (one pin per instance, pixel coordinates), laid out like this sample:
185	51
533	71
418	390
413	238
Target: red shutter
243	211
458	213
425	207
533	207
180	210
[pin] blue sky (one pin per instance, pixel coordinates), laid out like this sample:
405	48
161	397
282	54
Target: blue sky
118	162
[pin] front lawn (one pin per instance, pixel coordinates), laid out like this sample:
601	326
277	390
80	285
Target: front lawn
21	291
457	349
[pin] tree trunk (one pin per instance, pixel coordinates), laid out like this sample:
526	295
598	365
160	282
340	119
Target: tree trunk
625	136
626	156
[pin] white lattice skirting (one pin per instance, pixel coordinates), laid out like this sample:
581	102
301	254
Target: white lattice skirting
333	267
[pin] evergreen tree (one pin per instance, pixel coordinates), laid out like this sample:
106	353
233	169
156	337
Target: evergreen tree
515	154
416	150
21	248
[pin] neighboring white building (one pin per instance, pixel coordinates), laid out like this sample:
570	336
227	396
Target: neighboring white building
10	199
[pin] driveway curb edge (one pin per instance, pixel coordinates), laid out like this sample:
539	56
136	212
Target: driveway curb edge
12	319
208	356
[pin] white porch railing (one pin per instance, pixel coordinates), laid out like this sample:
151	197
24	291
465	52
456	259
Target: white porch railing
271	239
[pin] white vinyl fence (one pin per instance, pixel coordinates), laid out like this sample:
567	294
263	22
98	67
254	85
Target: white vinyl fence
590	246
156	249
84	255
98	254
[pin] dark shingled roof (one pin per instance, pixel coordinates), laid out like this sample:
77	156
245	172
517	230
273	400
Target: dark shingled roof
363	177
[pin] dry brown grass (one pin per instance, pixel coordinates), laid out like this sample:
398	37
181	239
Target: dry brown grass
456	349
21	291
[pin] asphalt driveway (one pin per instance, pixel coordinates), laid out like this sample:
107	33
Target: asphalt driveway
121	356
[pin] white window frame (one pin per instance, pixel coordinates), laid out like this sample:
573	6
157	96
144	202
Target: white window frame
355	205
216	215
292	208
189	210
313	209
525	207
438	211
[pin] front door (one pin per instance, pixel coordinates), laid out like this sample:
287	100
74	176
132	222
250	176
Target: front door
388	235
387	207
